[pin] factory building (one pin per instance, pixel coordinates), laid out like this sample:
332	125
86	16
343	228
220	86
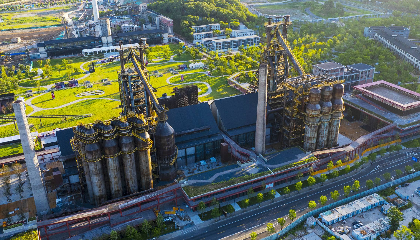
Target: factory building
351	209
236	116
196	133
372	230
70	46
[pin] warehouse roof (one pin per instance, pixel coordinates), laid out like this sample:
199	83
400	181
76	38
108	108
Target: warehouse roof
63	138
140	32
193	125
69	40
238	111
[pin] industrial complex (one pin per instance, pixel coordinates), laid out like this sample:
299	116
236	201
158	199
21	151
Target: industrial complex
176	158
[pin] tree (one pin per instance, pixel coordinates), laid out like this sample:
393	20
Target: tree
299	175
347	169
272	193
323	177
331	238
250	192
312	204
387	176
286	190
246	203
201	206
408	169
335	195
311	181
292	214
114	235
228	31
339	164
260	198
347	190
215	212
270	228
253	236
395	217
145	227
377	181
335	173
403	234
323	200
356	186
298	186
159	221
281	222
330	166
369	184
131	233
398	172
416	166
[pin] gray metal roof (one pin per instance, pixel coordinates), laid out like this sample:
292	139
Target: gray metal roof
238	111
63	138
361	66
193	125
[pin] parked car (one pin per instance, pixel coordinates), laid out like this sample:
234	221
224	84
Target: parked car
73	83
29	93
59	85
87	84
105	81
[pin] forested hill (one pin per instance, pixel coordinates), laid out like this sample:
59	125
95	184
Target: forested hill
187	13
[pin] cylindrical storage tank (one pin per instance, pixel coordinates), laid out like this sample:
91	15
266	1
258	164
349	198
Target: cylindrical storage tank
144	160
165	150
336	115
326	95
313	111
78	132
110	146
93	156
129	163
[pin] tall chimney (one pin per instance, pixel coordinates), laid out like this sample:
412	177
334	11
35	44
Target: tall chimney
261	110
32	165
95	10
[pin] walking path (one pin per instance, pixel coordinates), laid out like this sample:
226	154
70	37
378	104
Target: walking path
209	90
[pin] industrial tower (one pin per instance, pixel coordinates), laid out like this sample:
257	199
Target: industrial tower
119	157
295	114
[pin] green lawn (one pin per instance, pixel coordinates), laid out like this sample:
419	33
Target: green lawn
15	148
32	18
69	95
100	110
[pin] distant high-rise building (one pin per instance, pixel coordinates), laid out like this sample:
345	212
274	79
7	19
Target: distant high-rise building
95	10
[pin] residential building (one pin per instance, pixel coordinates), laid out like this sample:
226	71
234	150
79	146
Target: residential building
231	43
130	28
206	28
401	46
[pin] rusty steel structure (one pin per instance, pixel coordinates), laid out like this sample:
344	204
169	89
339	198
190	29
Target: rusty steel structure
301	112
125	155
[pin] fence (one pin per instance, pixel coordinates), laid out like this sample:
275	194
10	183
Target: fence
339	203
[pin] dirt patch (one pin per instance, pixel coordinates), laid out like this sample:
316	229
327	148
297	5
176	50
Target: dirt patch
352	130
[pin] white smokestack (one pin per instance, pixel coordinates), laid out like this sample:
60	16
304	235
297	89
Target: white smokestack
95	10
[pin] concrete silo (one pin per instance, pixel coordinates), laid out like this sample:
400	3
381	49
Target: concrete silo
326	95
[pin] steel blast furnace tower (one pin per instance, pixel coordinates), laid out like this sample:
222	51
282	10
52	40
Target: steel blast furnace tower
301	110
119	157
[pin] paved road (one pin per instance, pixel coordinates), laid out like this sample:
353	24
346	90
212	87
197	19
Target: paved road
232	227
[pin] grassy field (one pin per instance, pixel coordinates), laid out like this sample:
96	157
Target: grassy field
32	18
100	110
69	95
